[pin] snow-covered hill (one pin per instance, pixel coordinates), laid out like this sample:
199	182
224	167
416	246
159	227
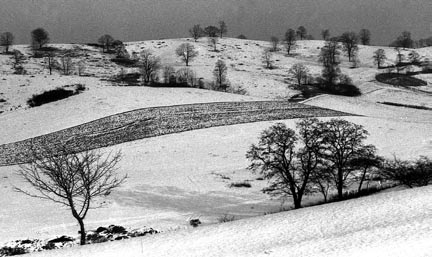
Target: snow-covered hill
174	178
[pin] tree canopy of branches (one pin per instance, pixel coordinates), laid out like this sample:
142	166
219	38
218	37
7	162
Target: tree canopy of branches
6	40
149	66
350	44
325	33
40	38
196	32
329	57
106	41
365	36
274	43
379	57
299	72
290	40
223	29
220	74
211	31
343	141
404	40
288	159
71	179
267	58
186	52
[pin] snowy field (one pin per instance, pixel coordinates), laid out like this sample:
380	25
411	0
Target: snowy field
174	178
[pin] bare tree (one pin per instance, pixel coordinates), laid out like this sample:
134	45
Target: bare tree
149	66
267	57
213	42
299	72
301	32
66	64
290	40
186	52
18	58
365	36
222	28
6	40
40	38
220	74
196	32
325	33
186	76
81	66
51	62
404	40
106	41
399	59
350	44
167	73
329	57
379	57
365	162
274	43
72	179
343	141
289	170
211	31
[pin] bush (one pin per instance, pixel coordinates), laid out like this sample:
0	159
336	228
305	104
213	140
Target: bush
409	173
53	95
10	251
126	62
226	218
240	184
400	80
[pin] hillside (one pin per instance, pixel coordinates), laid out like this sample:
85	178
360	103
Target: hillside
176	177
388	224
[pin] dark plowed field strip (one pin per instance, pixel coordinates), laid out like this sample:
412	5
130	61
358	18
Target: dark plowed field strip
157	121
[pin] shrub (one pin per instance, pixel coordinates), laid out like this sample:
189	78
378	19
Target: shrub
126	62
226	218
2	100
240	184
400	80
409	173
10	251
54	95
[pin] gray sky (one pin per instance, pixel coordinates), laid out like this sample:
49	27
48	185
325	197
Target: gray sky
130	20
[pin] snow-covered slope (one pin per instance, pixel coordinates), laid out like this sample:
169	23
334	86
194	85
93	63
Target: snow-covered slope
388	224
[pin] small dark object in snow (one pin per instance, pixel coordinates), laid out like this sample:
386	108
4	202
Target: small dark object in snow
194	222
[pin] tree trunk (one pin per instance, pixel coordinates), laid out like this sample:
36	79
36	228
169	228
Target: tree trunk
82	231
340	184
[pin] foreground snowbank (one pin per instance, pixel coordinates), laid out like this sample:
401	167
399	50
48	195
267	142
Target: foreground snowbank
388	224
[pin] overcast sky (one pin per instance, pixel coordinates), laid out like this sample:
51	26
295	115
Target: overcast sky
132	20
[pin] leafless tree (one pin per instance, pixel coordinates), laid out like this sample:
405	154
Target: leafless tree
18	58
274	43
213	42
403	41
51	62
74	180
365	36
149	66
220	74
196	32
167	73
343	141
81	66
267	57
329	57
222	28
6	40
40	38
290	40
66	64
301	32
366	162
211	31
186	76
289	168
186	52
350	44
106	41
299	72
325	33
379	57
